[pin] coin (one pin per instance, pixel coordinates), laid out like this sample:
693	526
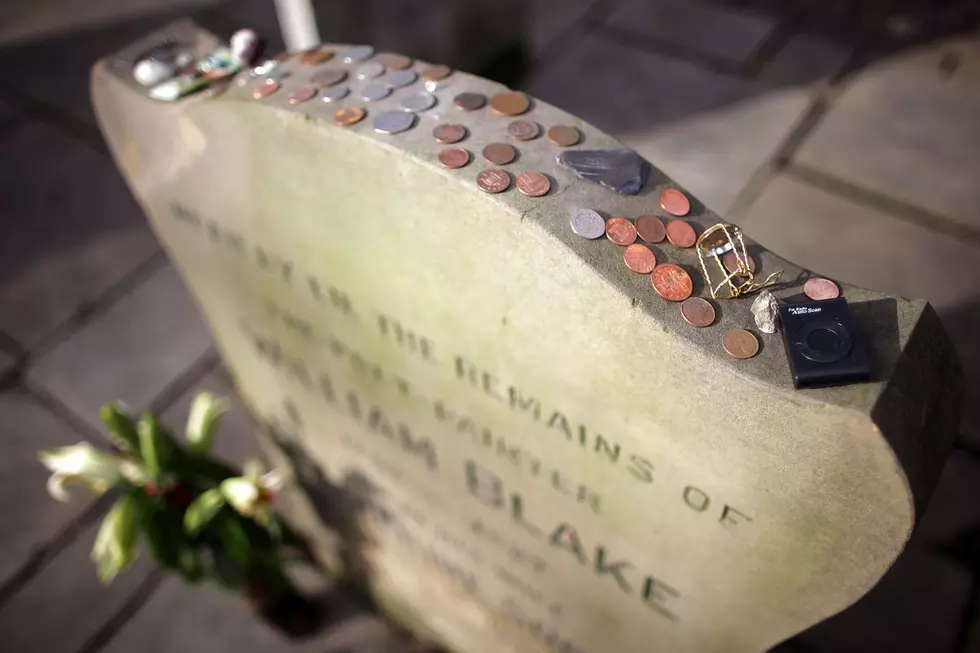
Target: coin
335	93
681	233
454	157
493	181
499	154
301	94
357	53
650	228
375	91
369	70
419	102
399	78
449	133
435	73
697	312
588	224
469	101
620	231
675	202
741	344
394	122
393	61
671	282
328	77
819	289
639	258
349	116
264	90
315	56
523	130
730	261
564	135
510	103
533	184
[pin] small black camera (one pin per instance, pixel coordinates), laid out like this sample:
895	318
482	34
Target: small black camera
821	344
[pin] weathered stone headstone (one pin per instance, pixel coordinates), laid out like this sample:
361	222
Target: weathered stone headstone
521	446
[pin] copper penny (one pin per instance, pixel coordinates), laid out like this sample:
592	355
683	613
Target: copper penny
315	56
449	133
435	73
264	90
675	202
393	61
639	258
681	233
349	116
469	101
454	157
564	135
651	228
671	282
698	312
493	181
741	344
328	77
523	130
301	94
820	289
620	231
511	103
533	184
730	261
499	154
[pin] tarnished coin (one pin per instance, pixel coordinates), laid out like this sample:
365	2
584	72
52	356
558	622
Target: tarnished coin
523	130
328	77
399	78
681	233
454	157
564	135
369	70
316	56
469	101
588	224
650	228
671	282
436	73
393	61
301	94
449	133
394	122
335	93
419	102
698	312
820	289
730	261
357	53
264	90
639	258
493	181
675	202
375	91
499	154
348	116
533	184
510	103
741	344
620	231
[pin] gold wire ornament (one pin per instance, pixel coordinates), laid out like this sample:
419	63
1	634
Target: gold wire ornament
714	243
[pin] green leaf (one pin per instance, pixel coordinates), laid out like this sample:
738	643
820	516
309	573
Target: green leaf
115	544
272	524
163	527
122	427
200	513
202	423
227	572
156	446
190	565
234	540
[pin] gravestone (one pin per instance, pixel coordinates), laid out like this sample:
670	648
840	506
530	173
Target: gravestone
503	432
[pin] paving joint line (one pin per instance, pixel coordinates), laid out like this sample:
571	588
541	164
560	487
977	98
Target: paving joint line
591	19
670	50
770	47
180	384
56	117
132	607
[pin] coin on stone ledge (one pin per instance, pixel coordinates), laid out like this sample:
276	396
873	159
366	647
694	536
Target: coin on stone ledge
639	258
651	228
533	184
315	56
375	91
264	90
399	78
357	53
523	130
419	102
493	181
675	202
335	93
510	103
369	70
499	154
469	101
348	116
454	157
671	282
741	344
620	231
449	133
730	261
394	122
820	289
393	61
436	73
301	94
328	77
588	224
698	312
564	135
681	233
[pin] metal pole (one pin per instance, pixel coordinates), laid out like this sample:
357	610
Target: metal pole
298	24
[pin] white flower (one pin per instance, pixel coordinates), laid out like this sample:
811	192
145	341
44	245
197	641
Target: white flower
83	462
115	544
251	493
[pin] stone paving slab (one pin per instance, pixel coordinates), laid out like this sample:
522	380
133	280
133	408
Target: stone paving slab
131	352
6	362
70	229
907	128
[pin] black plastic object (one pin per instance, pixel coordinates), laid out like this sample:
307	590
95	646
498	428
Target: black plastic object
821	344
624	171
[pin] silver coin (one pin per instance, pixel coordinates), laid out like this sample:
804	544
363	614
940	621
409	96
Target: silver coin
434	85
394	122
276	77
399	78
357	53
419	102
265	67
335	93
588	223
369	70
374	92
